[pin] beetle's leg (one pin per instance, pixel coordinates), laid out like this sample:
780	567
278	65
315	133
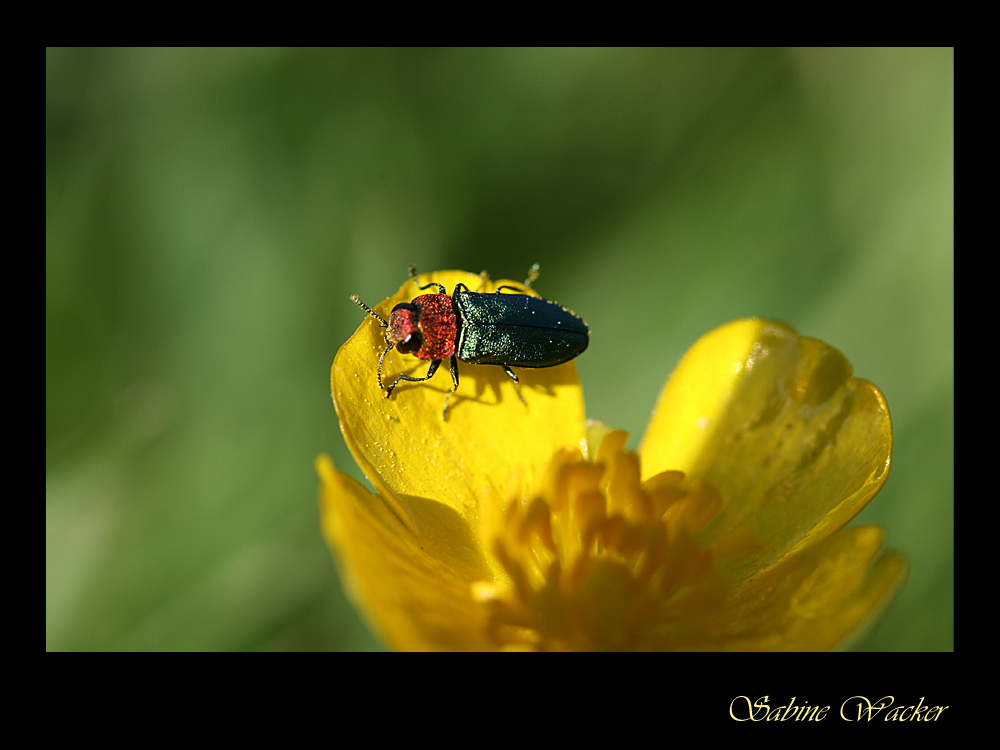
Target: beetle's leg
532	275
517	383
413	275
430	374
454	379
441	289
517	289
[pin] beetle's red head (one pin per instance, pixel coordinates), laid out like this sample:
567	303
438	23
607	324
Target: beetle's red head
427	328
403	331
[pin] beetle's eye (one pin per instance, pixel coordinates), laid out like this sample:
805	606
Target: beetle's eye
410	344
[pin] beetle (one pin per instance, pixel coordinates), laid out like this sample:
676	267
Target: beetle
509	330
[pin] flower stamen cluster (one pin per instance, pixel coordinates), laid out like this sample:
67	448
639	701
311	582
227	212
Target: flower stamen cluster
603	561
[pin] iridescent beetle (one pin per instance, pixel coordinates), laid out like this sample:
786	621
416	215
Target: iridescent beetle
509	330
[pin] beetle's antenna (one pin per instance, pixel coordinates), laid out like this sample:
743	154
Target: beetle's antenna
381	321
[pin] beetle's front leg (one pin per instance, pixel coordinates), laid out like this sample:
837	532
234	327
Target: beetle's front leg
430	374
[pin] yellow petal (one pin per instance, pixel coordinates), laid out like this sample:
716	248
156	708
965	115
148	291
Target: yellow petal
774	421
813	601
413	587
404	446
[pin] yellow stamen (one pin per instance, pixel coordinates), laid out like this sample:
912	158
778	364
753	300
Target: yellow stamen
602	559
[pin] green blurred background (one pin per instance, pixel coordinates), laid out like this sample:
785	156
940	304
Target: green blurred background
209	213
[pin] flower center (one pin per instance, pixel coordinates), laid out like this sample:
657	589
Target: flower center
603	561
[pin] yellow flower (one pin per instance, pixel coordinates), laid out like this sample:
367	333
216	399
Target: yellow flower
517	526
